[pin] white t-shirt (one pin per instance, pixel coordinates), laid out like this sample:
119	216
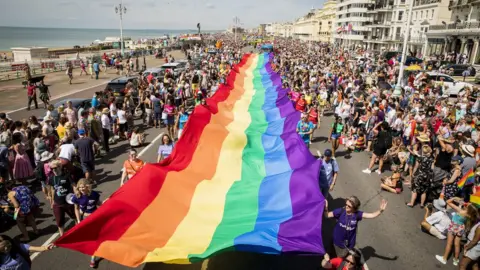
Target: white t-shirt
122	118
440	220
67	151
105	122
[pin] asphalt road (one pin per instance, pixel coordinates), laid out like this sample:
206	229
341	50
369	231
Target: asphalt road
392	241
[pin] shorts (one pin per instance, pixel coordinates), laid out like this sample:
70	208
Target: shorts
335	136
123	127
59	212
157	116
88	166
170	120
473	253
456	229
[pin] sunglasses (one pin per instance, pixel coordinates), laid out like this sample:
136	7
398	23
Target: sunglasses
350	262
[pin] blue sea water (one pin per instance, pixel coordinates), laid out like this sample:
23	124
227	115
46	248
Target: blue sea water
69	37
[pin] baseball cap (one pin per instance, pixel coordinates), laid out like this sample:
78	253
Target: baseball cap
327	153
81	132
457	158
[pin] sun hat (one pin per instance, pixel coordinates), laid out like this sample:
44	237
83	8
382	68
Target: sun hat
426	150
439	204
46	156
105	110
468	149
328	153
423	137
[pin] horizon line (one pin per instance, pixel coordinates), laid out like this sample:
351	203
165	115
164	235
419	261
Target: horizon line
146	29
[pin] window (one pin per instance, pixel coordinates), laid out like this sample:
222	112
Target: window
433	11
415	15
426	14
400	15
421	14
446	79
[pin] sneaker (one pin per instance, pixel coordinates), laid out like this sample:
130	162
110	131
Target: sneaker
378	171
441	259
455	262
367	171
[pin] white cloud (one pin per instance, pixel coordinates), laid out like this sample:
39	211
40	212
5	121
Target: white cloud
152	14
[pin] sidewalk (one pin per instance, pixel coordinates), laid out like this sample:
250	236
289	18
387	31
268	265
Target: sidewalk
13	96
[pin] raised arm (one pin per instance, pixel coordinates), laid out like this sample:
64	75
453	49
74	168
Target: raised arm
383	206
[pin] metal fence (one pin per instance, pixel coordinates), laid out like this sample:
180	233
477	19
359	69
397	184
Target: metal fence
12	71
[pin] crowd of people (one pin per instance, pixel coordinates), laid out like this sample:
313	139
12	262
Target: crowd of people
428	140
58	154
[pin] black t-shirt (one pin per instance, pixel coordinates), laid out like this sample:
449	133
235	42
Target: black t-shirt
84	147
444	160
62	187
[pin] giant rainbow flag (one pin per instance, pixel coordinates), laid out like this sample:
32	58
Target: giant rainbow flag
240	178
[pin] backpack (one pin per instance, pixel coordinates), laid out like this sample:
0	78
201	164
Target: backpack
39	172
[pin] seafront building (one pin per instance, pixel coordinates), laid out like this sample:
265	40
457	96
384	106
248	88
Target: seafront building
460	34
435	27
306	28
326	17
387	24
351	22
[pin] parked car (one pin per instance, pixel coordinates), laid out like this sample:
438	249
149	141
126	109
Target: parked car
117	86
77	103
454	87
156	72
458	69
177	68
388	55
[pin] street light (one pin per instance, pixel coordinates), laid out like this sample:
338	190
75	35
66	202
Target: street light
121	9
236	21
398	88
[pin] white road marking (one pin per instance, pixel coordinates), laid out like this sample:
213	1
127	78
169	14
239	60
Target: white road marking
66	94
55	235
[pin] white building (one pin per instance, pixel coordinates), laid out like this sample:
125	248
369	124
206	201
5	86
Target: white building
387	28
326	17
306	28
460	34
424	14
351	19
27	54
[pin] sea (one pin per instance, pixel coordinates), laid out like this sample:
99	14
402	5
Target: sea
68	37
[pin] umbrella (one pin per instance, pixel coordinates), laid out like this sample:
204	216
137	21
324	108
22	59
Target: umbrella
414	68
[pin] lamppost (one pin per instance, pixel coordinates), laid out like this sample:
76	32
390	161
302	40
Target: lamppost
236	21
398	88
121	9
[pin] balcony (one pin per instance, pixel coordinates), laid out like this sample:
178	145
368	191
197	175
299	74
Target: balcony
456	27
425	2
381	24
384	39
459	3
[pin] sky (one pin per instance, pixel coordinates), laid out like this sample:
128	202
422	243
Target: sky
151	14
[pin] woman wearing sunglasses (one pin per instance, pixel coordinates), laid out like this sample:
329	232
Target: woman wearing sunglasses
350	261
345	231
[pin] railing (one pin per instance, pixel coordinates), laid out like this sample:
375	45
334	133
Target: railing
425	2
456	26
458	3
